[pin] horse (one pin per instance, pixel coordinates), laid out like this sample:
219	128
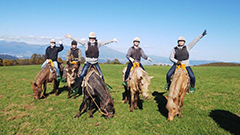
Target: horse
46	75
94	87
138	82
72	72
179	86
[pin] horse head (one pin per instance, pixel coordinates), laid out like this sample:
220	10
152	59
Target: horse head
71	73
144	82
37	90
172	108
108	108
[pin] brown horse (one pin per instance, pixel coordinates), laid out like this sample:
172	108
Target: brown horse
179	86
138	82
46	75
94	87
72	73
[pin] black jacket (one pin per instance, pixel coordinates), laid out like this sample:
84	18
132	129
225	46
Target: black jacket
52	53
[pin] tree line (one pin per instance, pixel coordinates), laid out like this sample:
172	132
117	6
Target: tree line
39	59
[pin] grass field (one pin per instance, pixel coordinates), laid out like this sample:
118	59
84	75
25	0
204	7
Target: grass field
213	109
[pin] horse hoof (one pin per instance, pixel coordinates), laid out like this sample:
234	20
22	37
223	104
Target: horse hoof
131	110
76	116
74	97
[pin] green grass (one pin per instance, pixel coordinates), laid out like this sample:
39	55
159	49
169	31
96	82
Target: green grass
218	90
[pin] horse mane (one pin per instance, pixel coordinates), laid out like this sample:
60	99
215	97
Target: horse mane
176	82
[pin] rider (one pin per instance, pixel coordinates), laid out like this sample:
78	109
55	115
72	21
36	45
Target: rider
76	53
92	54
180	54
134	54
52	54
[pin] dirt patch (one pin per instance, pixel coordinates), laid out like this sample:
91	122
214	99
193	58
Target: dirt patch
24	96
50	109
1	96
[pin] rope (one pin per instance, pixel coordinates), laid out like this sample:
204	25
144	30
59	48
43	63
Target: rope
99	109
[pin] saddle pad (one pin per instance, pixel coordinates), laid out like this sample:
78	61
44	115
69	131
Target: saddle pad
135	64
51	63
183	66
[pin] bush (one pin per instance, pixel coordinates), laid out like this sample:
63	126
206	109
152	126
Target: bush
7	62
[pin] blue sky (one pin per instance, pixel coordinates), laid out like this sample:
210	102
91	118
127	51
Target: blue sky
158	23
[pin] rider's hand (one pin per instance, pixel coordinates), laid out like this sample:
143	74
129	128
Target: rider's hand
60	42
67	36
131	59
178	62
115	40
149	59
204	33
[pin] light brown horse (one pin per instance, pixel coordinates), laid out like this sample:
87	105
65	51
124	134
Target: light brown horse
138	82
179	86
46	75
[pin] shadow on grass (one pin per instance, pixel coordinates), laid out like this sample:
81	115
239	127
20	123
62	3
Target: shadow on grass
226	120
161	101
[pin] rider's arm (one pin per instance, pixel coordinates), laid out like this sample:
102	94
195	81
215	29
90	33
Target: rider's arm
171	57
143	55
105	42
190	45
82	42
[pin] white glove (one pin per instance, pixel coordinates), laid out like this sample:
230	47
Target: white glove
67	36
115	40
131	59
149	59
60	42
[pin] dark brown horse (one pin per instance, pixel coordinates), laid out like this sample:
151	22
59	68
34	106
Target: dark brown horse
179	86
94	87
72	71
46	75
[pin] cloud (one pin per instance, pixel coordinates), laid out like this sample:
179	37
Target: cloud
31	39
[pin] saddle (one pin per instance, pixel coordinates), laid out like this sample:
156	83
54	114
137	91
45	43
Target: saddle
90	71
183	66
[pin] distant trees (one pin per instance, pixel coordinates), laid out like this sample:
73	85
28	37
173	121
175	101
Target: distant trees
1	62
115	61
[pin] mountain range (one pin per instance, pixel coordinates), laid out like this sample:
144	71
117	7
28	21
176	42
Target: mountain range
24	50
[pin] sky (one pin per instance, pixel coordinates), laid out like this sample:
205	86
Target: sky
158	24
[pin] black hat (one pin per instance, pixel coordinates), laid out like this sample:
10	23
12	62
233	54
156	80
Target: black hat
74	42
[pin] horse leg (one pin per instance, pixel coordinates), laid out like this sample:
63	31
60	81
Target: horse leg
44	89
135	100
126	94
132	100
91	104
82	107
69	91
55	87
181	104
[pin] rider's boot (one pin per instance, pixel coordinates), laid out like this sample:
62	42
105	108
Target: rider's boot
192	89
109	87
59	78
166	87
124	83
75	88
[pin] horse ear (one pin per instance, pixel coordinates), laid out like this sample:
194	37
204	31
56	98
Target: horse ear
151	77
